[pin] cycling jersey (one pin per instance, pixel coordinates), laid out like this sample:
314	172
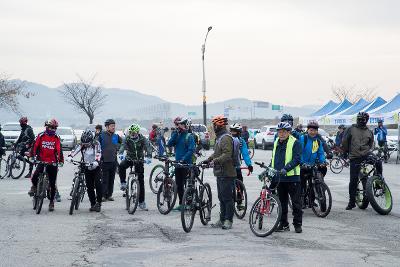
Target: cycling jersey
48	148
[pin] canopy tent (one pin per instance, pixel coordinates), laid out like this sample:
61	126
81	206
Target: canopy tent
378	102
357	107
342	107
391	106
326	109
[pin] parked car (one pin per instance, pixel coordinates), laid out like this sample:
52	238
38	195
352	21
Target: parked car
68	137
11	131
203	133
265	138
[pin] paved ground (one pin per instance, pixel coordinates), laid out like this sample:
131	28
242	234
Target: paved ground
115	238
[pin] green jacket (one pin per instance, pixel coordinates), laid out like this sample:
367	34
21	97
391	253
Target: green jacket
223	156
136	148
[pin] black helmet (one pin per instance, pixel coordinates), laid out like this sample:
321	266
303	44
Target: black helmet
109	122
380	120
87	137
313	125
287	117
362	118
341	126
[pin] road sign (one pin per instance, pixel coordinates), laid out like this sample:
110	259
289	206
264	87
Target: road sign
192	113
261	104
277	107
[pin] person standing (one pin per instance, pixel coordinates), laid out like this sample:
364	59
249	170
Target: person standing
381	133
25	141
109	142
2	144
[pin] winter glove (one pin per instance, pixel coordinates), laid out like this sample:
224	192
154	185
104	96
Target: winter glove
250	169
69	158
283	172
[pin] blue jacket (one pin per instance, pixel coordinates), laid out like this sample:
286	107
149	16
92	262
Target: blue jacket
280	155
244	151
339	138
312	151
184	146
381	133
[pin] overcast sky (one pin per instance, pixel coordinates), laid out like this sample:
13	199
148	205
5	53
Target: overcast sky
286	52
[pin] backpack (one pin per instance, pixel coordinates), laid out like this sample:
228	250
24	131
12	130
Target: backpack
236	146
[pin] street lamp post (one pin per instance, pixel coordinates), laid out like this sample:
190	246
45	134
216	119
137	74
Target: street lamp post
203	50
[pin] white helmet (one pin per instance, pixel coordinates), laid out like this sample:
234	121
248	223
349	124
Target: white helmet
236	126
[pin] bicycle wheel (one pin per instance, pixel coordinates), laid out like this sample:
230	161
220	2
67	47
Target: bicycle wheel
41	193
265	215
205	204
379	195
156	178
3	168
17	168
81	194
361	194
336	165
188	210
166	196
240	198
127	202
75	196
133	196
322	203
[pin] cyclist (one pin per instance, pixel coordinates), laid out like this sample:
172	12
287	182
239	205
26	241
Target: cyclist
358	141
174	131
2	144
91	154
299	129
47	148
339	135
136	146
286	158
224	170
245	134
312	152
240	149
109	142
25	141
381	133
98	129
289	119
185	148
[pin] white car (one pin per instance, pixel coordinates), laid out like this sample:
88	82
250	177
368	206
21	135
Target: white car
265	138
68	137
11	132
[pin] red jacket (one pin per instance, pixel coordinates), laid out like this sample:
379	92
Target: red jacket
48	148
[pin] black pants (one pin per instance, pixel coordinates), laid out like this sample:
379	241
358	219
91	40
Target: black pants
225	186
294	190
22	155
139	169
51	172
181	175
108	176
93	181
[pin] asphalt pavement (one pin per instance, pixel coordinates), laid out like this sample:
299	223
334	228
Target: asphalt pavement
147	238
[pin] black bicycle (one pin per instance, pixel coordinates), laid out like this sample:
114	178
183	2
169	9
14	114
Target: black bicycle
167	191
317	194
197	197
15	165
132	190
42	188
157	174
78	186
240	197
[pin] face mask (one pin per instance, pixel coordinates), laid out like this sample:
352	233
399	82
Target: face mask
50	132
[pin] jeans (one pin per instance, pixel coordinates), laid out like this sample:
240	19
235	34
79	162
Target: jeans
225	186
108	175
139	168
294	190
51	172
93	181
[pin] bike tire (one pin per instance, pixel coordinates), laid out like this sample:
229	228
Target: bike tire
254	214
22	166
156	172
324	204
240	214
205	204
167	191
188	209
336	165
127	202
375	183
81	195
3	168
134	196
74	196
40	193
362	201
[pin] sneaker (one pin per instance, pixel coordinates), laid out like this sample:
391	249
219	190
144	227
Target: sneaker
32	191
96	207
351	206
110	199
218	224
123	186
143	206
58	196
283	227
297	228
104	199
178	208
227	225
28	175
51	206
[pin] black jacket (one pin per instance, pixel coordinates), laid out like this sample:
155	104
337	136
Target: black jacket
26	137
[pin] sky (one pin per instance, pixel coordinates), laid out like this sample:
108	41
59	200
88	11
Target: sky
284	52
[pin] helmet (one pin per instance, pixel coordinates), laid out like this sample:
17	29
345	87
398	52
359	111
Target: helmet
362	118
134	128
380	120
184	121
286	117
236	127
51	123
109	122
220	120
23	120
154	126
341	126
87	137
177	119
313	125
284	126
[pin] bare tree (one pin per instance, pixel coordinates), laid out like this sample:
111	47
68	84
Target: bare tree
10	90
84	97
353	94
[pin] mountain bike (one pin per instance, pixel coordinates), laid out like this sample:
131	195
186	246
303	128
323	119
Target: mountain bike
338	163
42	188
15	163
158	172
78	185
197	197
317	195
3	167
240	197
167	191
266	212
132	190
361	193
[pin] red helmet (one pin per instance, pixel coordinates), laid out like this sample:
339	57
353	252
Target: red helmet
176	120
23	120
51	123
220	120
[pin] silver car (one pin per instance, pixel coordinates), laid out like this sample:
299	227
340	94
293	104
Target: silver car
68	137
11	132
